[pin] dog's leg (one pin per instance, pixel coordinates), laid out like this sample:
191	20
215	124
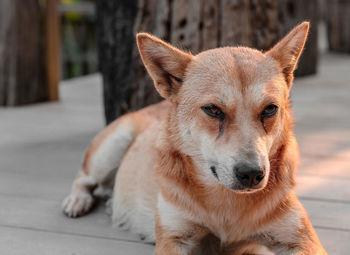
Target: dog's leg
245	248
80	200
101	160
176	232
179	243
293	234
305	243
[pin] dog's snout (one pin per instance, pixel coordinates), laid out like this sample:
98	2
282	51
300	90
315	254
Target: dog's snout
249	175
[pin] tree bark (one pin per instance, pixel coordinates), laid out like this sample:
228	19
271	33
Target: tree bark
115	21
21	60
293	12
338	24
193	25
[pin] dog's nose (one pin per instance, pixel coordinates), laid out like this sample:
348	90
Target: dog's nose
249	175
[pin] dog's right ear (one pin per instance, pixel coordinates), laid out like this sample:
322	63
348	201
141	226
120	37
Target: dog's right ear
164	63
288	50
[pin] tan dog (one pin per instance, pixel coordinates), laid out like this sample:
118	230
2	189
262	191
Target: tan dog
212	166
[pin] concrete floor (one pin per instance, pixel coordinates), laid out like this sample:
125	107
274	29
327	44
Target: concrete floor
41	148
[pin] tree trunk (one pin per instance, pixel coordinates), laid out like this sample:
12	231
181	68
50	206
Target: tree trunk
249	23
338	24
194	25
293	12
115	21
21	61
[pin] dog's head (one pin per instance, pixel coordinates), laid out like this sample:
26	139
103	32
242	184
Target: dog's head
231	104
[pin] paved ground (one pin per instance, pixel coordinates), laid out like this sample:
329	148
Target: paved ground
41	147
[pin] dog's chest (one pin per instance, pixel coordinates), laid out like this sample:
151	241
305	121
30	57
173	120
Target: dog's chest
227	226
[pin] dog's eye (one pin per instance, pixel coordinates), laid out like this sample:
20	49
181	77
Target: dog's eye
213	111
269	111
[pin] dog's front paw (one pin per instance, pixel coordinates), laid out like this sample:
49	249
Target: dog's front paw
77	204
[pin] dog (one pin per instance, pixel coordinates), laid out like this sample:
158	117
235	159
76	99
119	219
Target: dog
213	165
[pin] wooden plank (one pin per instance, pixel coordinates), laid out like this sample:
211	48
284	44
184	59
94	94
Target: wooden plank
19	241
335	242
34	186
61	159
46	215
333	166
53	40
328	142
328	215
28	186
323	188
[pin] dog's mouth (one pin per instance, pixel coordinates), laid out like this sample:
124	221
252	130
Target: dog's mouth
246	190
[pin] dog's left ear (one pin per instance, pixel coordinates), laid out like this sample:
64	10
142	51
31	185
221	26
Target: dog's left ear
164	63
288	50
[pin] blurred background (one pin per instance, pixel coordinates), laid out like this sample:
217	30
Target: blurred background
69	67
45	41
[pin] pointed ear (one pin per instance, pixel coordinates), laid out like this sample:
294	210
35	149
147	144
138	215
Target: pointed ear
164	63
288	50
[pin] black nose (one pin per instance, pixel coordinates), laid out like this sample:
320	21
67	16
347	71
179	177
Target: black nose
249	175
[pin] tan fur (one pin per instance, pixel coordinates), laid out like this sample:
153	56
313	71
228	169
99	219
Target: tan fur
165	189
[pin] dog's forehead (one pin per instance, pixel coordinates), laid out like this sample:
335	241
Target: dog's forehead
230	72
